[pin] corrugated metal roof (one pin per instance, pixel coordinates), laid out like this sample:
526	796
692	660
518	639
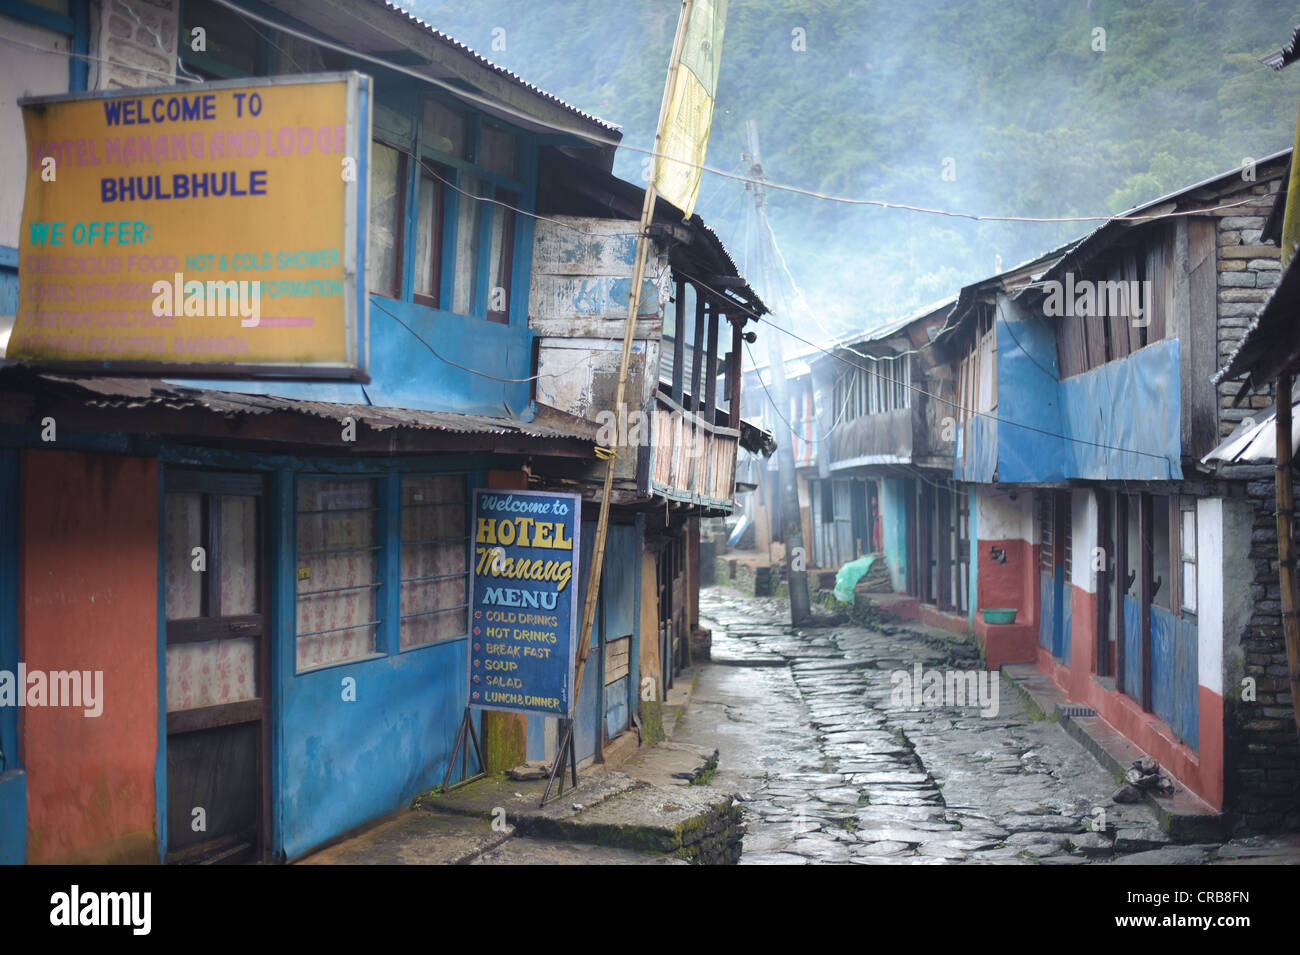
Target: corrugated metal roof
890	329
798	359
146	392
514	77
1149	208
1255	441
1285	56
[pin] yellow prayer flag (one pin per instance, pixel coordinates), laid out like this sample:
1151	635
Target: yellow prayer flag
1291	214
684	138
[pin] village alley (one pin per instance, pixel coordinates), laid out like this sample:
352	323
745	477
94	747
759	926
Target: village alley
831	771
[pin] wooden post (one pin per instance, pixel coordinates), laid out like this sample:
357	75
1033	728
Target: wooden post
629	330
943	584
1121	586
1146	548
1105	540
711	369
697	353
679	341
1286	564
737	334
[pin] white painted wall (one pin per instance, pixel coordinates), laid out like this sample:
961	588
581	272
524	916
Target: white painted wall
1001	518
1083	538
1209	591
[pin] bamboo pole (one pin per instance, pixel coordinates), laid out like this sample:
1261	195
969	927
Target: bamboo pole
633	306
1286	564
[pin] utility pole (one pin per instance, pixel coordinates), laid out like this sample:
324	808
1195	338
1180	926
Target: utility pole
791	521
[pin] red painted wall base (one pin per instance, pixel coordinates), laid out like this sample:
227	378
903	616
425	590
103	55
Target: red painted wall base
1007	642
1200	770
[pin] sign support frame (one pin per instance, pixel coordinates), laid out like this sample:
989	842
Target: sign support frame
566	748
464	735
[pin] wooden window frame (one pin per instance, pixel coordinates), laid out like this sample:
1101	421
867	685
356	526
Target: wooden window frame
380	547
1180	505
399	506
398	278
506	265
437	235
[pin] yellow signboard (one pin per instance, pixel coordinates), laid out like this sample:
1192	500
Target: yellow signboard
213	228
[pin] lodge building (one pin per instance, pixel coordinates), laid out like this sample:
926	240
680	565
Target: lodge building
272	575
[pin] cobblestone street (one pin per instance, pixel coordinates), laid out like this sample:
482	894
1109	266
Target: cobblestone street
832	771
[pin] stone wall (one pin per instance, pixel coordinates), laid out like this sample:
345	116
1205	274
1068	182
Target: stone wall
135	42
1262	754
1248	273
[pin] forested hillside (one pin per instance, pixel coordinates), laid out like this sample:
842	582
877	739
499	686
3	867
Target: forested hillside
1013	98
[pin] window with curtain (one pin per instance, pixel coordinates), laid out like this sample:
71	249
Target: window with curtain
428	240
501	258
387	186
467	234
435	563
338	546
210	672
463	190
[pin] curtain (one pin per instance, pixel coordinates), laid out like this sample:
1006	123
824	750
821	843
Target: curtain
338	562
434	560
210	672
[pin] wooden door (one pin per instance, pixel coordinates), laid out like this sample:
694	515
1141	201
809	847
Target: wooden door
217	667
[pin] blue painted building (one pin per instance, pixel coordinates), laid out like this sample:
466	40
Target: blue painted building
1085	408
271	577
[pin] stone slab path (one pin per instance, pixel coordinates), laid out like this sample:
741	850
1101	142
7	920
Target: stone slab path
836	763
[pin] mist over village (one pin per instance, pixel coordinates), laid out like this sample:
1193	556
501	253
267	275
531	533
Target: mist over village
658	433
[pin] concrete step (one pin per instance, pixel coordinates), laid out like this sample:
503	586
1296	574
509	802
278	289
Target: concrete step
611	809
1184	816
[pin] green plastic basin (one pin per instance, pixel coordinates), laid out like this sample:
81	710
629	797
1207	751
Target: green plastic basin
998	614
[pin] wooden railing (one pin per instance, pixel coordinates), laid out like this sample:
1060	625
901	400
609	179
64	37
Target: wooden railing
693	461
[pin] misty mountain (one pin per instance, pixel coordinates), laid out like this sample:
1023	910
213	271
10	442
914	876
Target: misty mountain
1009	108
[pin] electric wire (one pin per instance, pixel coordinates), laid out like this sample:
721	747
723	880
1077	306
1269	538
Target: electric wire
481	100
951	402
90	58
618	143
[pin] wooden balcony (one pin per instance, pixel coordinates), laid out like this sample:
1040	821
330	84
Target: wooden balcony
692	461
